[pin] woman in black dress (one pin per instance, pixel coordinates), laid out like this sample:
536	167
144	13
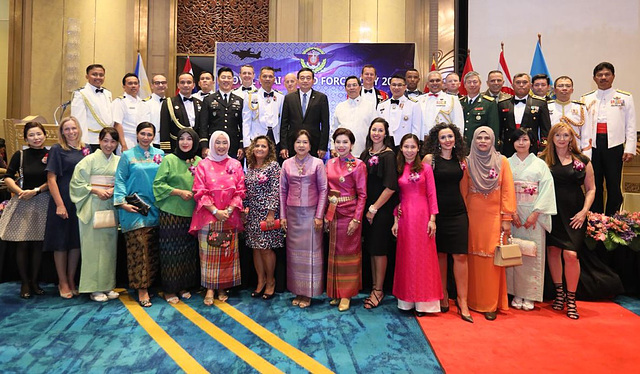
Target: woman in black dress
570	170
382	183
446	152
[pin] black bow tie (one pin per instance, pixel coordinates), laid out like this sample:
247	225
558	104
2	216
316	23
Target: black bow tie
246	88
270	94
395	101
163	99
99	90
204	94
368	91
413	92
187	99
516	101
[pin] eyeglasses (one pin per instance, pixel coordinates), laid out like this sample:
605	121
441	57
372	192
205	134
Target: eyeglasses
159	83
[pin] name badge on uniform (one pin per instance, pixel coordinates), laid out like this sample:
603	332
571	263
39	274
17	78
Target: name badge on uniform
441	102
478	108
132	108
236	102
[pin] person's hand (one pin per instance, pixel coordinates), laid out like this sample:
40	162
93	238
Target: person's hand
129	208
103	194
317	223
369	216
516	220
352	227
531	220
222	215
399	211
431	229
334	153
270	221
61	211
185	195
240	153
27	194
283	224
394	229
205	152
284	153
578	220
626	157
321	154
506	228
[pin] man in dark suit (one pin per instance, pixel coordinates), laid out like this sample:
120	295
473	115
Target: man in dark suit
178	112
369	93
222	111
523	111
305	109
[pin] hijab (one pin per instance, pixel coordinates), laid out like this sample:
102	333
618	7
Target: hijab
190	154
213	156
481	163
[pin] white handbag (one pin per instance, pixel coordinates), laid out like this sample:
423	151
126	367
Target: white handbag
103	219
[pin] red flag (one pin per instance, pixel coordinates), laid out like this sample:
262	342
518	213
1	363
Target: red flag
434	66
187	69
508	83
467	68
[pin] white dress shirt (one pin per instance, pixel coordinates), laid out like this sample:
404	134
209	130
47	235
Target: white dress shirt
575	114
154	104
355	115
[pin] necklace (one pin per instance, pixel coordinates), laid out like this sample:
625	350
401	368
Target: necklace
299	165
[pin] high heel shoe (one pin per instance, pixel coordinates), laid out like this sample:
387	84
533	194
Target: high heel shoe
464	318
255	294
25	291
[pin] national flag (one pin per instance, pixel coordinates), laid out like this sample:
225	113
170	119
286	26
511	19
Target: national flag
467	68
539	65
434	66
502	66
187	69
145	87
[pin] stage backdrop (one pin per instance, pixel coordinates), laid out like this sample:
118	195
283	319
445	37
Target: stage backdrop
332	63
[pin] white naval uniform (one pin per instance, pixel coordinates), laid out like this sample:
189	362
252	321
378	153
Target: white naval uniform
243	93
154	104
101	104
355	115
616	108
440	107
129	111
201	96
403	118
575	114
261	113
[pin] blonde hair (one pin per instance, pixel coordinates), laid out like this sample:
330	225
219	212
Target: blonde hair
549	154
62	140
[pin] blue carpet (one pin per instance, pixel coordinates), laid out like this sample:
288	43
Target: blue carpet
53	335
630	303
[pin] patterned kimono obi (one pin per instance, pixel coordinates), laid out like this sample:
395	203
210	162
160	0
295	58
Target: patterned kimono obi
526	192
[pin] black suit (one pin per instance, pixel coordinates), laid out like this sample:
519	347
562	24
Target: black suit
168	128
216	114
315	121
535	117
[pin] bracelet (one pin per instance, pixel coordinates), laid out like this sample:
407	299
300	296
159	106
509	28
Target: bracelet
215	211
37	189
356	221
230	210
372	209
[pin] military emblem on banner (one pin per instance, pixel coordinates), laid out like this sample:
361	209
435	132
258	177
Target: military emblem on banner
313	58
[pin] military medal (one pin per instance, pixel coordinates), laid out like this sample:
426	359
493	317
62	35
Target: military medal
401	105
478	117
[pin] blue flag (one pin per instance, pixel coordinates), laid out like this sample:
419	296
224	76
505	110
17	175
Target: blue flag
539	66
145	87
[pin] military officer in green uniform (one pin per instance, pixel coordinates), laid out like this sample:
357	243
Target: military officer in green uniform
479	109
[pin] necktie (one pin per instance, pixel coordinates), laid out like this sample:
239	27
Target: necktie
99	90
471	101
395	101
368	91
187	99
516	101
246	88
304	103
225	98
270	94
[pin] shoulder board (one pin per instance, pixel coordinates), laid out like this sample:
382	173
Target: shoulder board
578	102
504	98
487	97
624	92
277	91
550	101
410	99
538	97
120	97
384	101
79	88
147	99
589	93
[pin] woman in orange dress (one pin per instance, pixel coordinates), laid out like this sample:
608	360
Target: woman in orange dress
491	201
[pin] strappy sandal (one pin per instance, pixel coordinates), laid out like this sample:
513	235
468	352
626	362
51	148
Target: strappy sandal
208	301
572	309
558	302
296	301
223	295
305	303
369	303
185	295
334	302
145	303
173	300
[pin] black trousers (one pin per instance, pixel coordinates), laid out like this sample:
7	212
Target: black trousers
607	168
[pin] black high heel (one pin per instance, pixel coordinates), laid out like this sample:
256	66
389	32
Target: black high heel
558	302
464	318
572	309
255	294
25	291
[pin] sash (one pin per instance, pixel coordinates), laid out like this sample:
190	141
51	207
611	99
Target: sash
172	114
88	104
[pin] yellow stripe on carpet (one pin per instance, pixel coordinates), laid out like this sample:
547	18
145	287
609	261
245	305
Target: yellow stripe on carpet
173	349
249	356
288	350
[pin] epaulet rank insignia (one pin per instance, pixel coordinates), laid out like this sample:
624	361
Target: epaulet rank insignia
504	98
538	97
487	97
578	102
147	99
624	92
551	101
589	93
120	97
410	98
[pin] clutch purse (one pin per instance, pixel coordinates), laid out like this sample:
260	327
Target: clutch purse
135	200
103	219
527	247
276	225
507	254
218	238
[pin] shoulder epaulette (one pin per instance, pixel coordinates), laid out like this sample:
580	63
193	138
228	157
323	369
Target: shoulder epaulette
504	98
120	97
487	97
147	99
551	101
278	91
589	93
578	102
384	101
624	92
538	97
410	99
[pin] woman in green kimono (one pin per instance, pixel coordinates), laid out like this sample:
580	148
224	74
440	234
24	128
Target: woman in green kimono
91	189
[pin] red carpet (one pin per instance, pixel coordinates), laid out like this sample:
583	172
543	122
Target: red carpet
605	339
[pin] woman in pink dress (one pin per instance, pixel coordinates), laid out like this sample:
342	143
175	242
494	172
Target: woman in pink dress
218	189
347	178
417	281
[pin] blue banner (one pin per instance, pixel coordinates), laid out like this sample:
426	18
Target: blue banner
332	63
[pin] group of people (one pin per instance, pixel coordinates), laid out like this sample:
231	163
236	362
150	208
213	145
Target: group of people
398	167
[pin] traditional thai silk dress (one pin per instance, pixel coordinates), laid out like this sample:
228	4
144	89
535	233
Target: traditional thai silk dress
534	193
179	257
347	176
135	174
417	282
487	282
220	184
98	247
303	191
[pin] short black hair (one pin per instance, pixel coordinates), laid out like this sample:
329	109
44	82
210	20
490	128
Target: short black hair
518	133
129	75
604	65
186	73
398	76
145	125
111	131
29	125
223	70
95	66
352	77
541	76
344	131
267	68
555	83
313	75
204	72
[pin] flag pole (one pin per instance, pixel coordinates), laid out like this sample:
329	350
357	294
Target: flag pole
540	39
502	46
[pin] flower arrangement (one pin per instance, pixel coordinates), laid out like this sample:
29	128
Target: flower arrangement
157	158
373	160
623	228
578	165
493	174
414	177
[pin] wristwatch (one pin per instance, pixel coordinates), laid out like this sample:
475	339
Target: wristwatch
215	211
372	209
